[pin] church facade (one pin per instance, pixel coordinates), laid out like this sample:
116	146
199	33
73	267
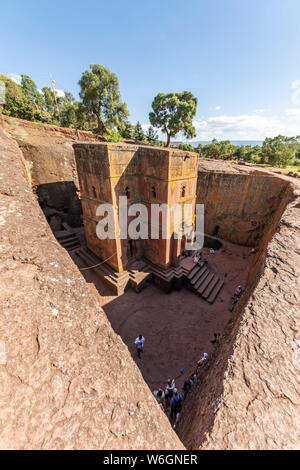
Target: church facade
143	174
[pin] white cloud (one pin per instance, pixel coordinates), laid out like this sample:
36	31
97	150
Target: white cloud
292	112
247	126
15	77
252	126
59	93
218	108
295	97
259	111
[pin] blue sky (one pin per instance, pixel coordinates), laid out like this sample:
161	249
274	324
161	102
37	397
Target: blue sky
239	57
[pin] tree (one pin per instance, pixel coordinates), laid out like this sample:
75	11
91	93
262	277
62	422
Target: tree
173	113
84	119
68	116
138	132
279	151
49	100
101	97
30	90
151	135
127	131
187	147
17	104
68	108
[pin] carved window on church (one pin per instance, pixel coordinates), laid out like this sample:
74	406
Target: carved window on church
183	191
153	192
94	192
127	192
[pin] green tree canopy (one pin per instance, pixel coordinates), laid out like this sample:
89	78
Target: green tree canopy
173	113
280	151
49	100
151	135
101	97
17	103
138	132
30	89
127	131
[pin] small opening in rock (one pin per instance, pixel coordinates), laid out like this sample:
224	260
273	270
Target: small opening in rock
216	230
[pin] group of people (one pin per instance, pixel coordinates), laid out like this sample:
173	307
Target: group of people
236	296
170	399
198	260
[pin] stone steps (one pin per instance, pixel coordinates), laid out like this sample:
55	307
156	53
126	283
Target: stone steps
216	291
192	272
118	282
200	281
139	273
204	282
199	273
209	289
167	274
68	240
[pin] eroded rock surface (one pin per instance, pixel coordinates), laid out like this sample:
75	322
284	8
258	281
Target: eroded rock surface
67	381
248	394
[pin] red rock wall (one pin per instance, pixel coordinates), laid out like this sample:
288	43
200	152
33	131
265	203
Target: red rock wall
67	381
242	206
246	395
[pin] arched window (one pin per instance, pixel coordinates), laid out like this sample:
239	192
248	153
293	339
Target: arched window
153	192
127	192
183	191
94	191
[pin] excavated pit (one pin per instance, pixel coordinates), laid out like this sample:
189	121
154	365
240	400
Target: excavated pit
242	209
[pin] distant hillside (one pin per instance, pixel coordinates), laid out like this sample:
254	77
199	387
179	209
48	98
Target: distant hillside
234	142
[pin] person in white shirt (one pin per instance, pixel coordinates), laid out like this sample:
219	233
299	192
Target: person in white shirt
160	397
139	342
204	357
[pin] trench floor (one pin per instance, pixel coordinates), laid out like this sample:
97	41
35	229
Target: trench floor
179	326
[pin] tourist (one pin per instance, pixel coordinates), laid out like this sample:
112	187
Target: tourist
205	261
196	260
234	303
186	387
212	251
160	397
193	379
139	342
176	404
204	357
169	391
239	291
